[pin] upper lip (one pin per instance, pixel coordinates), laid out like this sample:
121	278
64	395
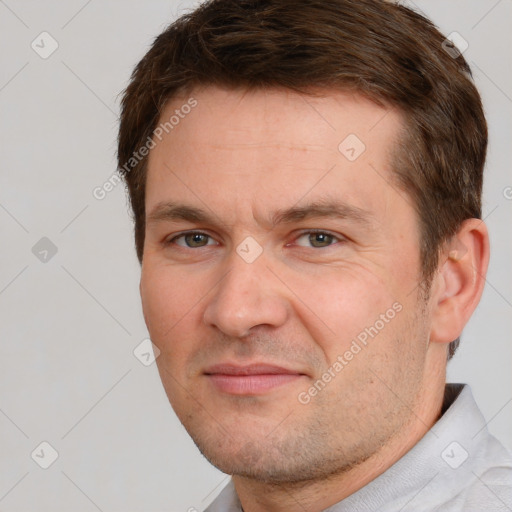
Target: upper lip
249	369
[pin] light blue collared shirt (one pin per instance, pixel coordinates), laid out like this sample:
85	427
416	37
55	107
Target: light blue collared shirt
458	466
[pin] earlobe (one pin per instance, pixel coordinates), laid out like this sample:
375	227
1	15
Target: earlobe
460	280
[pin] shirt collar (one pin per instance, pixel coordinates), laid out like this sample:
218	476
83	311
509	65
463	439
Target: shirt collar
438	467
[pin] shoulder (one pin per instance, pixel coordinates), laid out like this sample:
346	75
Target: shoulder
489	486
491	491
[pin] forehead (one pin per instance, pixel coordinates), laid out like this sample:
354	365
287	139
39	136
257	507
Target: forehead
269	147
261	113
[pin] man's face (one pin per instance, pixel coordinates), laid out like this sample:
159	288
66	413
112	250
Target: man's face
293	335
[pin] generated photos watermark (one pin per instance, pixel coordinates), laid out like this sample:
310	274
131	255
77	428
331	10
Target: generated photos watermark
100	192
357	345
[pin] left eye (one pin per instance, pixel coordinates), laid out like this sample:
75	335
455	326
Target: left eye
192	240
317	239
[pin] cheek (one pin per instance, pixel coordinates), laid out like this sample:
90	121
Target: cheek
169	301
344	305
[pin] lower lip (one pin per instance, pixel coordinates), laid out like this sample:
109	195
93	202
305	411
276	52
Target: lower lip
251	384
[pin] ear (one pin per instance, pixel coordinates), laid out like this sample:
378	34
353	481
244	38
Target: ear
460	280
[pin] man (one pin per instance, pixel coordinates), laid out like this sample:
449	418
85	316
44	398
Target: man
306	185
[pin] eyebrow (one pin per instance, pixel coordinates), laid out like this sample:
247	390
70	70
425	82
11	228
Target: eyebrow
327	208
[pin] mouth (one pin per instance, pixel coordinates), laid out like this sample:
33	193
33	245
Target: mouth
253	379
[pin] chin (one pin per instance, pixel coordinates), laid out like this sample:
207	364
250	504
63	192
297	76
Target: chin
288	462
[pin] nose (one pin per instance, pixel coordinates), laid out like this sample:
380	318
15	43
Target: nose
248	295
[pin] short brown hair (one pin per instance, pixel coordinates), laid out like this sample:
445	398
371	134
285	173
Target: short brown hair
385	51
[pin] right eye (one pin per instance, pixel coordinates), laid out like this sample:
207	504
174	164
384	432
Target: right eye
191	240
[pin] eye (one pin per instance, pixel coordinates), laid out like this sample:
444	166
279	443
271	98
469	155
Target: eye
317	239
192	240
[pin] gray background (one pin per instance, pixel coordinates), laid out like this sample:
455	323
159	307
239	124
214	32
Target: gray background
69	325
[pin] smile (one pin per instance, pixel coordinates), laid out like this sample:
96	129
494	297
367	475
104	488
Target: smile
250	380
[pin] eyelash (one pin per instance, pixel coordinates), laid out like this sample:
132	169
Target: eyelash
336	238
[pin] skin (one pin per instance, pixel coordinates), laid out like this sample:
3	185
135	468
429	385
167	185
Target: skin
241	156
